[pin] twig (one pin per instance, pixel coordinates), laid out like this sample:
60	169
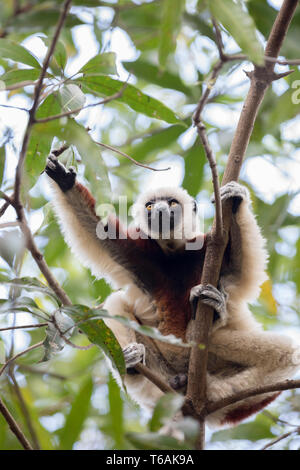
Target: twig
154	378
37	92
9	224
108	99
261	78
215	178
4	208
12	359
15	201
18	85
113	149
280	438
251	392
22	327
14	426
25	412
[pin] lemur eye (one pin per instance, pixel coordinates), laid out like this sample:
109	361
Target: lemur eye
173	203
148	207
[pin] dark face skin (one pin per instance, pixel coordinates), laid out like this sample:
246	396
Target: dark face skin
163	215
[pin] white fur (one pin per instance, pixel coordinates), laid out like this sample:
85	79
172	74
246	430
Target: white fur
267	356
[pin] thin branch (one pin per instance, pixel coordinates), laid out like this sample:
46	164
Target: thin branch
108	99
283	62
14	427
280	438
154	378
22	327
4	208
36	96
9	224
113	149
16	202
251	392
12	359
18	108
25	412
215	178
18	85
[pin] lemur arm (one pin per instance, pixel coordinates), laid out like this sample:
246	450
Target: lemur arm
245	258
118	258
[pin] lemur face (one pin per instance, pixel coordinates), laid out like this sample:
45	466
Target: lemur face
164	214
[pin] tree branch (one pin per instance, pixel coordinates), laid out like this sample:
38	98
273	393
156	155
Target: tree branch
251	392
261	78
14	426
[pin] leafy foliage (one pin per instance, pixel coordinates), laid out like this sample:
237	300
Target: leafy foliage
71	398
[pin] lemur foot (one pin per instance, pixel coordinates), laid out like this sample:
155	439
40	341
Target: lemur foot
63	177
210	295
235	191
134	353
178	381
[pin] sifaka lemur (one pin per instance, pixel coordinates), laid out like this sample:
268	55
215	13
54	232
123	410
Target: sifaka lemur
158	281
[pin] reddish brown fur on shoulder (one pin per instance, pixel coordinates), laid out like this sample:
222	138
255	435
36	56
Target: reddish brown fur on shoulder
245	410
89	199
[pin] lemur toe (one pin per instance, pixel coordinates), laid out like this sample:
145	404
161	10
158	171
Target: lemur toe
178	381
209	295
134	353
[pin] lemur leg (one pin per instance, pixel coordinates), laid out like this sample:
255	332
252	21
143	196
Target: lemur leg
133	351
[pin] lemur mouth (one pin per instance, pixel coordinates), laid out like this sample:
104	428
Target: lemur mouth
161	223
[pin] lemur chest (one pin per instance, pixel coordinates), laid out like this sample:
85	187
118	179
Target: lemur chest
169	291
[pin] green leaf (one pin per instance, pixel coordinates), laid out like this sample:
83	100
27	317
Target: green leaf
20	75
13	51
97	332
22	304
165	409
31	284
150	441
152	74
116	420
101	64
194	160
59	58
77	416
253	431
132	96
171	16
40	19
40	140
240	25
72	97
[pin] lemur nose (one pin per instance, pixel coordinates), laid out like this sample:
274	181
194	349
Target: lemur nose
162	207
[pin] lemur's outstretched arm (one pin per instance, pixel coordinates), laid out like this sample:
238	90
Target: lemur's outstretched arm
118	258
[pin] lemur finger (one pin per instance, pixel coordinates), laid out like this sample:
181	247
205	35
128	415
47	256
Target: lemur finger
134	353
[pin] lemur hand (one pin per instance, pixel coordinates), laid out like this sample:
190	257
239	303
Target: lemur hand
235	191
215	298
133	354
63	177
